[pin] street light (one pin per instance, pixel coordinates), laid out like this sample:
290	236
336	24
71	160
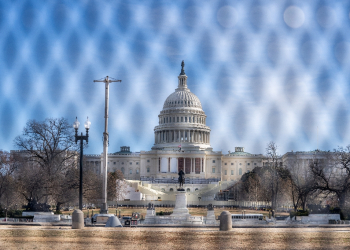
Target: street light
81	138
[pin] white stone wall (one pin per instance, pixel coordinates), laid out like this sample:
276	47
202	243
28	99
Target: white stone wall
164	164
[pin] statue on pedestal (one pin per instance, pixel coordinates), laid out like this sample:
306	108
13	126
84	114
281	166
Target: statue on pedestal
181	178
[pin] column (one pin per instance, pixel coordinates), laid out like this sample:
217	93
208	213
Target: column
193	164
189	136
174	138
201	165
184	164
179	136
204	165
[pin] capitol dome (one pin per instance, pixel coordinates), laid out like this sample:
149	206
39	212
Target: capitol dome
182	98
182	120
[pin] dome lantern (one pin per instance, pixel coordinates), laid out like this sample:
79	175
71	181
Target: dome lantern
182	86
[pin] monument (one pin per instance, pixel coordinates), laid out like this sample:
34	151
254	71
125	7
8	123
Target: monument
181	198
180	213
40	211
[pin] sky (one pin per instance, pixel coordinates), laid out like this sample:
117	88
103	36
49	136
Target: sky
269	70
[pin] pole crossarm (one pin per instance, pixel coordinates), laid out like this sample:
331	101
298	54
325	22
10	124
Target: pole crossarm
107	80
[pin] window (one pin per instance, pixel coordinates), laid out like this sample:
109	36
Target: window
231	164
213	161
240	171
225	163
171	189
147	170
186	119
173	119
164	120
130	163
254	163
163	190
137	163
213	170
248	164
182	119
167	120
130	172
231	172
225	172
177	119
137	171
189	119
196	189
240	164
122	163
188	190
122	170
114	163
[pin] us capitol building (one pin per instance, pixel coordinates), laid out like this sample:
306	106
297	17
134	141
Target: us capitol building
181	141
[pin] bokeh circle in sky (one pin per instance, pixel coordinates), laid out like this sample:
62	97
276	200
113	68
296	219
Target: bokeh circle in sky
227	16
294	17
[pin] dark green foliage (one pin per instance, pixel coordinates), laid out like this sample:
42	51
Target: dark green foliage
299	213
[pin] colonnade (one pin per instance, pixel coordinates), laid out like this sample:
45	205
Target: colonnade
168	136
188	164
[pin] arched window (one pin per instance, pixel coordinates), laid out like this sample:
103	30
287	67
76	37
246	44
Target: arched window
137	171
188	190
240	171
171	189
122	170
196	189
147	170
130	172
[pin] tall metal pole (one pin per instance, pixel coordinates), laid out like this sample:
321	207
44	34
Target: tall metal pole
104	207
81	174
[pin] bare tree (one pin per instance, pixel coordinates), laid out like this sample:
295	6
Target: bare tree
331	172
115	185
300	181
273	170
50	148
8	194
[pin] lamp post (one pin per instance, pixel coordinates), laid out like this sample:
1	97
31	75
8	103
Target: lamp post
81	138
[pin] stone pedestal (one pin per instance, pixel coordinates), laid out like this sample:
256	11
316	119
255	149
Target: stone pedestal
77	219
150	216
211	215
180	204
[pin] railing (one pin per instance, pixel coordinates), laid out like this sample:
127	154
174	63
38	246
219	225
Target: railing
170	203
175	181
